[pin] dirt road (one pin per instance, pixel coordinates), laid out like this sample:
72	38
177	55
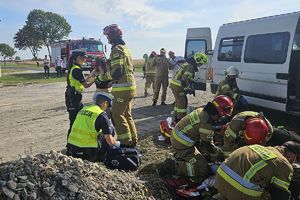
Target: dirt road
33	118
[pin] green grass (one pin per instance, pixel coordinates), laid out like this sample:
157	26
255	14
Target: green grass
29	78
23	65
5	71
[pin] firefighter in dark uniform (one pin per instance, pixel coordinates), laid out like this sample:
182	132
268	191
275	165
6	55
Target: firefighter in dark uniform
195	128
92	133
257	172
123	86
182	83
76	83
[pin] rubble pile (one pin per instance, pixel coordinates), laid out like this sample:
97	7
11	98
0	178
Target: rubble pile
56	176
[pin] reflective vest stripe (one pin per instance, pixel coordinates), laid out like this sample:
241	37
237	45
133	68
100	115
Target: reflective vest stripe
187	128
280	183
226	86
190	169
189	74
117	62
255	168
205	131
183	139
229	132
235	95
123	87
176	82
180	110
238	182
263	153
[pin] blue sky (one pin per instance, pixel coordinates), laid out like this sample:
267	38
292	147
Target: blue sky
147	24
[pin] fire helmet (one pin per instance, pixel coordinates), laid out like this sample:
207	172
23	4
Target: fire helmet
256	130
112	31
224	105
200	58
231	71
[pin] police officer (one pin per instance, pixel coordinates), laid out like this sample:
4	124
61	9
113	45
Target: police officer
229	86
123	86
257	172
194	128
182	83
161	65
149	72
246	128
92	132
76	83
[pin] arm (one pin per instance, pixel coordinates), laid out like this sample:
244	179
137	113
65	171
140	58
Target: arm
77	74
230	136
279	186
104	124
117	62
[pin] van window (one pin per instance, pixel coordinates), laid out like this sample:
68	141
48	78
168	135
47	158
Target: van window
230	49
193	46
267	48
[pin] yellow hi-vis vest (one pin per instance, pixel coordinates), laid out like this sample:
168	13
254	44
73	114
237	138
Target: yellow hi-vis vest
83	133
75	83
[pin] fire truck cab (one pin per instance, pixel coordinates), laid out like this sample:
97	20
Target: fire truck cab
64	48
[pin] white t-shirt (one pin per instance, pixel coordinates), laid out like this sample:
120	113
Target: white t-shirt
176	64
58	62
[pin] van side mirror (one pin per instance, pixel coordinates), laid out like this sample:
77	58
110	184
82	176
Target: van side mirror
210	52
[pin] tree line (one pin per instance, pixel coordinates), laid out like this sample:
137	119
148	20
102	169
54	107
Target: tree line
41	29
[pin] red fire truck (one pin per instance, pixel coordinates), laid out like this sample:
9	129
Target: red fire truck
64	48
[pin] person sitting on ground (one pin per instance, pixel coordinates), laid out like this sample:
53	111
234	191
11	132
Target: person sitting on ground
92	133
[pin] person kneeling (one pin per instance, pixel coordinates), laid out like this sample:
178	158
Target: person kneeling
92	133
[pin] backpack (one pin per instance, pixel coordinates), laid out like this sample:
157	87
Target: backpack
123	158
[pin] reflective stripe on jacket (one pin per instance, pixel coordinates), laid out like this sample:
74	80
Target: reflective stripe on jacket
83	132
75	83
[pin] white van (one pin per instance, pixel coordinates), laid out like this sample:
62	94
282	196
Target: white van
267	53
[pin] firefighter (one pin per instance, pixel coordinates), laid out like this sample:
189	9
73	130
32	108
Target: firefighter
76	83
149	72
229	87
161	65
194	128
92	132
246	128
123	86
182	83
257	172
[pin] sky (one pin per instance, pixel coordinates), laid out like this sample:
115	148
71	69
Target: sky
147	24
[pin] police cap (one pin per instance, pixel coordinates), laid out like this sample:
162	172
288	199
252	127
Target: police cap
79	52
103	96
293	147
163	50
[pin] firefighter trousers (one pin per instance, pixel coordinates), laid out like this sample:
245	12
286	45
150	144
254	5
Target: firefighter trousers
191	163
150	79
123	121
160	81
181	102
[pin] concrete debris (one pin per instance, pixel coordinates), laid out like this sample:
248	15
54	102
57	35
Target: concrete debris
57	176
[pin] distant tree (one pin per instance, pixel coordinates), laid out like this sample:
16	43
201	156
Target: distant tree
17	59
6	51
27	37
51	26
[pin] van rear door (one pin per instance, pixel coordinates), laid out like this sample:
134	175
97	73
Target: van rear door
199	40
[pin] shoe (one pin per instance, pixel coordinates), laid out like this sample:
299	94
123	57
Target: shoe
163	104
154	103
